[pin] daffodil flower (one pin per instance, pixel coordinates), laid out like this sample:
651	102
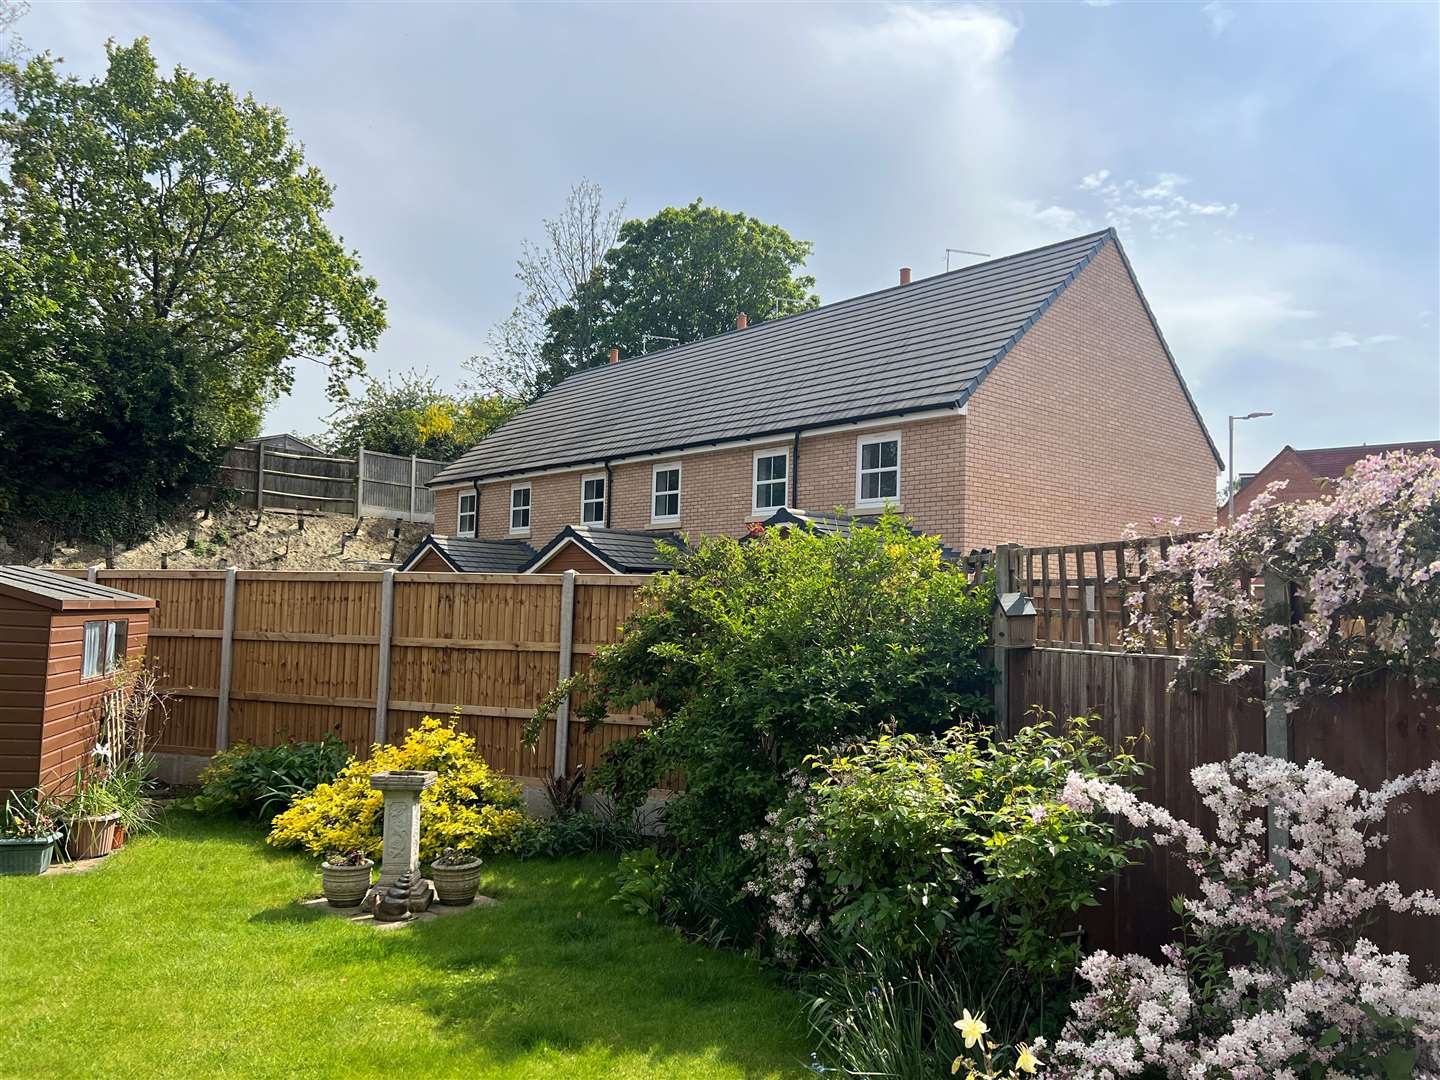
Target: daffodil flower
1026	1062
973	1028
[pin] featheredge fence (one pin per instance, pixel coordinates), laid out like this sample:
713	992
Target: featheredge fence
368	485
264	656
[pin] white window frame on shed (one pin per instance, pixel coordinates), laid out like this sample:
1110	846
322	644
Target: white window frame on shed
105	643
473	514
527	508
656	493
592	502
756	483
861	472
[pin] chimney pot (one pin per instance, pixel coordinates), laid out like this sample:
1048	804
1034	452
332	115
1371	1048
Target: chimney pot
614	356
904	275
742	321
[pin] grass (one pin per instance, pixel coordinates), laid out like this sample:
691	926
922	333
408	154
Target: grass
185	954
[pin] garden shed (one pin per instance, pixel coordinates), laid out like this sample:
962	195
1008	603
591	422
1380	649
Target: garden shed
60	640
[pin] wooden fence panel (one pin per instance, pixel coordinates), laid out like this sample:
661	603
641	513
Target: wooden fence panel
1370	736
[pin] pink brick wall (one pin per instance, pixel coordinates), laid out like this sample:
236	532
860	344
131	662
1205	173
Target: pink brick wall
1083	428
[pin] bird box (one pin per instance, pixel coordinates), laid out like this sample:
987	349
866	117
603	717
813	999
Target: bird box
1015	622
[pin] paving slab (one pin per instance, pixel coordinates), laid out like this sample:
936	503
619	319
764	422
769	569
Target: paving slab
356	915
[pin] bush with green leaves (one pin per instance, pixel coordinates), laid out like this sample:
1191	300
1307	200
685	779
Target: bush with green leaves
258	782
755	654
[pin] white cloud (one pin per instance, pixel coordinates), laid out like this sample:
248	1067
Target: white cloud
1098	3
1346	339
1220	15
1094	180
961	37
1057	219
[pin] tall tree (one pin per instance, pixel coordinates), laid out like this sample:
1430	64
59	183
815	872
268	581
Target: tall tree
679	276
161	214
551	275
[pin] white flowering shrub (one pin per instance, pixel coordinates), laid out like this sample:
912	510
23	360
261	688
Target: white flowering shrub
1274	978
1363	567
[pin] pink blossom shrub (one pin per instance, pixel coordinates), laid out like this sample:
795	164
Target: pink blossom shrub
1274	978
1362	565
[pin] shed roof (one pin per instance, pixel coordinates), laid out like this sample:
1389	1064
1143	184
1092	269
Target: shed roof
625	551
467	555
60	592
904	349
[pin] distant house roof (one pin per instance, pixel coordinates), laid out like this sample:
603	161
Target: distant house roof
905	349
291	444
1331	462
624	551
60	592
466	555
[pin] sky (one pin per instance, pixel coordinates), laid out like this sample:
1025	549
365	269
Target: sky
1273	170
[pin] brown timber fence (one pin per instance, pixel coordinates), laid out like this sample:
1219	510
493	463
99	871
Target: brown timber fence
264	656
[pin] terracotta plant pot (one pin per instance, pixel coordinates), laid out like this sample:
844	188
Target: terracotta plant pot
119	839
90	837
346	886
456	884
27	855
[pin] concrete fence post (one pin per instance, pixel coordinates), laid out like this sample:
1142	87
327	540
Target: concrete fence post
567	650
413	466
359	482
227	662
260	475
1277	719
382	663
92	572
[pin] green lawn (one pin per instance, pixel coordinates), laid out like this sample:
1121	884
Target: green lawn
186	955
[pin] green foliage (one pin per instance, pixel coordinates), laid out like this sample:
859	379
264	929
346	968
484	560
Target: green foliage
165	261
580	833
411	415
469	807
755	655
257	782
683	274
909	837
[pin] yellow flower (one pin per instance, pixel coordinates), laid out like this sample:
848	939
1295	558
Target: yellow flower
973	1028
1027	1061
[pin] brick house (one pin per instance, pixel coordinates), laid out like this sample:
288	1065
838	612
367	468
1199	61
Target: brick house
1310	474
1027	399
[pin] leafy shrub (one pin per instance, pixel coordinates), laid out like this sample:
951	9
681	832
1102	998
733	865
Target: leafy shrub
578	833
755	655
469	806
1274	977
258	782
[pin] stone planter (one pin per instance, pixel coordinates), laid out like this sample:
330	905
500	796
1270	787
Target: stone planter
26	855
457	883
346	886
90	837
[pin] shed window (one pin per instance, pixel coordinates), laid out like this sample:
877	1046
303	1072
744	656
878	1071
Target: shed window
520	508
592	500
877	471
771	467
465	519
105	647
666	504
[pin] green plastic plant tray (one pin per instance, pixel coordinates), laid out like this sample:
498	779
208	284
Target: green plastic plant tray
26	855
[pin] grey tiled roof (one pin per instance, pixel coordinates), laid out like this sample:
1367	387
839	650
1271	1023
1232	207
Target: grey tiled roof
629	551
62	591
470	556
903	349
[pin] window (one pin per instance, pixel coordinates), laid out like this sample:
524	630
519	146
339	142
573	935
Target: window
665	507
877	471
105	646
520	508
465	519
592	500
771	470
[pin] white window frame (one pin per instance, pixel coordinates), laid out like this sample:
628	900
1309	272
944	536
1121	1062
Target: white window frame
603	500
473	514
755	481
529	508
655	472
98	651
870	440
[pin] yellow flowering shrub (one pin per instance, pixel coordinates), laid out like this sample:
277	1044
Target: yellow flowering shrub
469	807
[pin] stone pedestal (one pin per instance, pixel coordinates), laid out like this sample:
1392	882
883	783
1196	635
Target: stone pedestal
401	818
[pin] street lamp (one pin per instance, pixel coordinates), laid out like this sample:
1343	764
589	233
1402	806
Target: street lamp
1230	487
